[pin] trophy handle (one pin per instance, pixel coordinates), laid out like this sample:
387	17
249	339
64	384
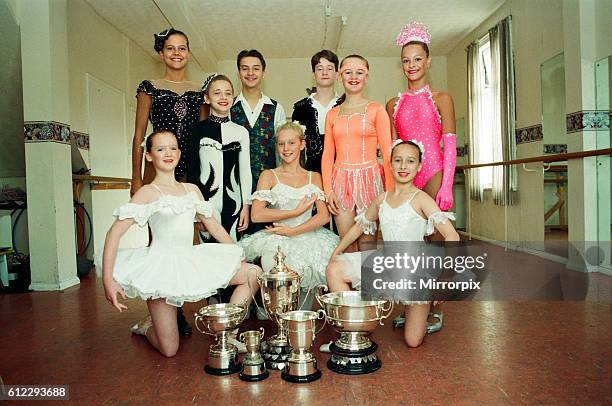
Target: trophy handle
252	295
320	289
261	334
198	318
322	315
388	311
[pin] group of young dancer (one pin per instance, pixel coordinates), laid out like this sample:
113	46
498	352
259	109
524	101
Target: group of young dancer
254	181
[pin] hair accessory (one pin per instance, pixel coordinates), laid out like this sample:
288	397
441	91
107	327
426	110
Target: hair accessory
160	39
144	141
207	81
303	127
413	31
419	144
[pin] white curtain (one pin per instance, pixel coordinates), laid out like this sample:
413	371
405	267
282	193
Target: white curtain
504	140
475	189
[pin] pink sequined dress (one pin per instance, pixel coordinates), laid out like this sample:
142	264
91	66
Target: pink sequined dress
416	118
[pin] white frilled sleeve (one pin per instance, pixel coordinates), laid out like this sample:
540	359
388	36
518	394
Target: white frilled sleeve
439	217
368	227
139	212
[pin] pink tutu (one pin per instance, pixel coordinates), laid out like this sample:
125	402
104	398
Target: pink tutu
357	187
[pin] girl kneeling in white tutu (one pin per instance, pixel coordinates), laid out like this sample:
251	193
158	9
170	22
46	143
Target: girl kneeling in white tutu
171	270
405	214
285	197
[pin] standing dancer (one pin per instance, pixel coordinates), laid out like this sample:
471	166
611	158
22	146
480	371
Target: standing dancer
172	103
426	116
312	110
219	158
405	214
352	175
172	270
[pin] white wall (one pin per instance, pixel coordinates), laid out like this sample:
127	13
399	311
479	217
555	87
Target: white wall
532	46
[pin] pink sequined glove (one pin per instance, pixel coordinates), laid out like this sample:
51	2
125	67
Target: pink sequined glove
444	198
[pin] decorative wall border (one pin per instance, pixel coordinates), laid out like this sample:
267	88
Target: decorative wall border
529	134
463	151
555	148
588	120
81	139
45	131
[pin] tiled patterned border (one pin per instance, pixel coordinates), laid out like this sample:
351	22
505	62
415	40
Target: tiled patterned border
462	151
81	139
529	134
555	148
44	131
588	120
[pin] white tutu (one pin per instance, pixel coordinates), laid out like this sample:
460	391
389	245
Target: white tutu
306	253
172	267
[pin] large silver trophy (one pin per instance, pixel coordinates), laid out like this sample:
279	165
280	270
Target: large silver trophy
253	366
280	293
355	319
218	320
300	326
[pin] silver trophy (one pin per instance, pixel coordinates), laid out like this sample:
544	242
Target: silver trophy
253	365
218	320
355	319
280	293
300	326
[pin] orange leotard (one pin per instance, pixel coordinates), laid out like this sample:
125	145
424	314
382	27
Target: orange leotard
349	165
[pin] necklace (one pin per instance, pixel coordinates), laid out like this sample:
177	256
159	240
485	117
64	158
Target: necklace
218	119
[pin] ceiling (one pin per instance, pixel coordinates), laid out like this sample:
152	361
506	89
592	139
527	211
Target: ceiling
219	29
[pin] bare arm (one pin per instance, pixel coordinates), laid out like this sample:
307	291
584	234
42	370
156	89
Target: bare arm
390	110
261	213
355	231
143	107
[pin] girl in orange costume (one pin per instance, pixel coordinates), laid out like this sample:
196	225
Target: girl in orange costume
352	175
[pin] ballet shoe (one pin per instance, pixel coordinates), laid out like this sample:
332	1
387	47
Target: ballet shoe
142	326
436	326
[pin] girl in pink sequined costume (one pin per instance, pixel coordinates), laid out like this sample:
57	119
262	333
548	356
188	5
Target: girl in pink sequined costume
352	174
425	116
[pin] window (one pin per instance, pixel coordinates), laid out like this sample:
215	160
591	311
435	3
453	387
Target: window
486	115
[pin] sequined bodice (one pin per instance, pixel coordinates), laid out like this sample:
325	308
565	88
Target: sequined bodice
416	118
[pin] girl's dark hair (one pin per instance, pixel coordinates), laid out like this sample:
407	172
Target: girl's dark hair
217	78
149	141
160	39
422	44
355	56
252	53
409	143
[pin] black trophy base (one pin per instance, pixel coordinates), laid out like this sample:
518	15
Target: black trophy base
365	366
232	369
254	378
354	362
275	357
301	379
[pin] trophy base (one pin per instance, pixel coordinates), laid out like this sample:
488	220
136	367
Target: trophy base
357	362
355	365
254	378
275	354
301	379
223	371
335	349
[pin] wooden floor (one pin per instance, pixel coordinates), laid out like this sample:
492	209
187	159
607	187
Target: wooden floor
488	353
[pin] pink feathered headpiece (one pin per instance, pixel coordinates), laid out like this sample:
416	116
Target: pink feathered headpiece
413	31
